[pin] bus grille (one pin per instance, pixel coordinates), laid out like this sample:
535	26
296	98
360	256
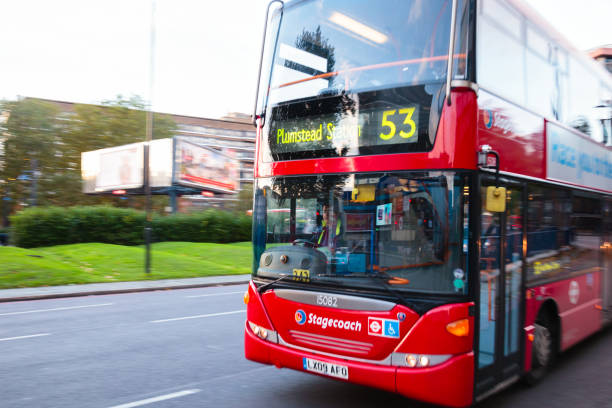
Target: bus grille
332	343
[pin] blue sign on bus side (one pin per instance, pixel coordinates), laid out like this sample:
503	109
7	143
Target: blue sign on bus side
391	328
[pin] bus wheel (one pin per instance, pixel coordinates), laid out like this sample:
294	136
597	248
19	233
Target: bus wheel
543	350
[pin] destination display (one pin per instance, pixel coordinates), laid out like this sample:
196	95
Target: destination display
345	133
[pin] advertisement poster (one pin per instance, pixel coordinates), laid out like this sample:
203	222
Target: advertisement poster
358	222
573	159
383	214
206	168
120	168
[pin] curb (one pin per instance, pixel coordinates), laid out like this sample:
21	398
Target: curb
118	291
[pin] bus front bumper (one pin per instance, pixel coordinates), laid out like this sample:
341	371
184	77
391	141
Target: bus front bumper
450	383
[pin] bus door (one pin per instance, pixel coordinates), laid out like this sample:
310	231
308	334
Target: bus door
501	277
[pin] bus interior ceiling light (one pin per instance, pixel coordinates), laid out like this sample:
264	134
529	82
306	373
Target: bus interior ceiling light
358	28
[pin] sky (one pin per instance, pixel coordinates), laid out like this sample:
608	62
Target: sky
206	53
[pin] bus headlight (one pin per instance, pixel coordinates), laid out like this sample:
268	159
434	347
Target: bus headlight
418	360
263	333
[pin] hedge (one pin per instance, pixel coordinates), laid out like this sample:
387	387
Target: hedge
47	226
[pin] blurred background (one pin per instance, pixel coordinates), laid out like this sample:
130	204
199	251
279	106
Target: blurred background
83	84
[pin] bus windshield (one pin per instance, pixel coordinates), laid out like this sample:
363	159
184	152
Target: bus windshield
375	69
405	229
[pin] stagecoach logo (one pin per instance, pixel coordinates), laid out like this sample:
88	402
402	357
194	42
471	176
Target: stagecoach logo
574	292
495	119
488	118
327	322
300	317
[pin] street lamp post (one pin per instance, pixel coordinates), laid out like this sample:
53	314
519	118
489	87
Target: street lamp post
147	147
33	182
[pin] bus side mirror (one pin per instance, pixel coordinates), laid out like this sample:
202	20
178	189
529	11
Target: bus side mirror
496	199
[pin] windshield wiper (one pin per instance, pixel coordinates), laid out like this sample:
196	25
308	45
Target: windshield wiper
282	277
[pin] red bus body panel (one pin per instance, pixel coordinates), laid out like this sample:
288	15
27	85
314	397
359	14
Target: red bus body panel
520	138
576	303
426	334
429	334
517	135
326	338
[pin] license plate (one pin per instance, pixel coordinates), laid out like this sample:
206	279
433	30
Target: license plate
321	367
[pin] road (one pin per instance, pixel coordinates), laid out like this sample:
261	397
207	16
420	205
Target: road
183	348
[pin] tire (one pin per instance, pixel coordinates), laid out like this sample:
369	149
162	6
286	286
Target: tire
544	349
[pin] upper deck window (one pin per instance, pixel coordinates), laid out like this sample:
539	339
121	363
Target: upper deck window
355	77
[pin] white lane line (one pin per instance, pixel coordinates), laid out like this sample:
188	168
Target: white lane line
215	294
198	316
157	399
25	337
54	310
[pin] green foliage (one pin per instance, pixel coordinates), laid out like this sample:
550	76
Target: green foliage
245	199
36	227
31	136
207	226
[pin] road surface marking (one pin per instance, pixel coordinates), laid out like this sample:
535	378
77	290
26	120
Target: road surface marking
54	310
215	294
157	399
198	316
25	337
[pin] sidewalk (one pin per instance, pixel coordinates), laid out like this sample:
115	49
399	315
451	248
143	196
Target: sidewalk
50	292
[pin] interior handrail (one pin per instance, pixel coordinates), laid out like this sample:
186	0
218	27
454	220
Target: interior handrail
371	67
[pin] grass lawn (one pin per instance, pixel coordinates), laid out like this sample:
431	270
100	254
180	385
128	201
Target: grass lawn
90	263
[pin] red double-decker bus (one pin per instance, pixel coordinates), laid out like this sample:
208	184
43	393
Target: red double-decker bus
433	195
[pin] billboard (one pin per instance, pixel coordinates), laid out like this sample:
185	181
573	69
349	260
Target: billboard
205	168
160	162
114	168
172	162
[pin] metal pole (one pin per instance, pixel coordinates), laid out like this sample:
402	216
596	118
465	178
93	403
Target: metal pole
173	200
33	185
149	137
263	44
451	52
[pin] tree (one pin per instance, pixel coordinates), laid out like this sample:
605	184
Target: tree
113	123
32	136
245	199
314	43
41	161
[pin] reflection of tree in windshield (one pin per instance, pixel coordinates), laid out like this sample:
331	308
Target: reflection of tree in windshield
314	43
338	107
307	187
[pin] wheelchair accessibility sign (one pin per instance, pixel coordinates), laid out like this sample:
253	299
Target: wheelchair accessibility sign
383	327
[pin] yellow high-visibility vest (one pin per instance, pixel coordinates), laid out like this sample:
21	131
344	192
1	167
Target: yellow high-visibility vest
324	224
